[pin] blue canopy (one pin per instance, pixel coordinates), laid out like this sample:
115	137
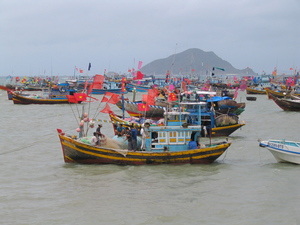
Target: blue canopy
218	98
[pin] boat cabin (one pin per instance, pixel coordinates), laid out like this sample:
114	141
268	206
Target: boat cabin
175	135
61	91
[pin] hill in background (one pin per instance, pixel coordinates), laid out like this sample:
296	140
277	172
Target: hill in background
192	59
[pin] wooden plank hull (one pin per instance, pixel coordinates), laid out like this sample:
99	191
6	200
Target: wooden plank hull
139	88
255	92
78	152
226	130
132	109
277	94
287	105
17	99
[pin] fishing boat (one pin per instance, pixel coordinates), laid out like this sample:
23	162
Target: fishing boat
295	97
55	95
155	112
9	95
221	127
278	93
172	143
112	87
282	150
255	91
286	104
139	88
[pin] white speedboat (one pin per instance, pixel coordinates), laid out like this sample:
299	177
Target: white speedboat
283	151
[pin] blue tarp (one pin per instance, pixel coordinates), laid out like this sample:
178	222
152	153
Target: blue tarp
218	98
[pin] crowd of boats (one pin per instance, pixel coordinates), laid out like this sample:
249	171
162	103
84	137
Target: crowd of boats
171	120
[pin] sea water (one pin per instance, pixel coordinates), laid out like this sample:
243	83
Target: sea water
244	186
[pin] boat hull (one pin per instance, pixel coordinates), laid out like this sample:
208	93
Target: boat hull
255	92
138	88
155	112
287	105
17	99
283	153
103	91
216	132
77	152
277	94
226	130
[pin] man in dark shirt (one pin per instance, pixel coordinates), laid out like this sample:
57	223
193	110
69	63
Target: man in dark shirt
128	137
98	131
134	138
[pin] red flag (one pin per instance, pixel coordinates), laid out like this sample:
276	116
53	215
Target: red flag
151	97
80	71
109	94
143	107
80	97
291	68
106	109
156	92
139	75
172	97
145	98
293	83
184	86
114	99
104	99
98	81
71	99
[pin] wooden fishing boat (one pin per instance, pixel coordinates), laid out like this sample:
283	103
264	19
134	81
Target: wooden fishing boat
9	96
4	88
138	88
53	96
286	104
278	93
173	143
255	91
221	131
155	112
112	87
295	97
283	151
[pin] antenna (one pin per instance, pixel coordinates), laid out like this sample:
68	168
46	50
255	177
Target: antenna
175	52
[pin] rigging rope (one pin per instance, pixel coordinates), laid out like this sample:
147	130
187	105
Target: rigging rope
29	145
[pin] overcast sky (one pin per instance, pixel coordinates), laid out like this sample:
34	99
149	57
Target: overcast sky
38	35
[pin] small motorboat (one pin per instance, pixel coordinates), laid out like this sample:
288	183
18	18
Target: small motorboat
283	151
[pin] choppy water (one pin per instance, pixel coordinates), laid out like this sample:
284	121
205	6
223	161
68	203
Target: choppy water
244	186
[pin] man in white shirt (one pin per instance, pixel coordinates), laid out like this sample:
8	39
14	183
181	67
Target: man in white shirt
94	139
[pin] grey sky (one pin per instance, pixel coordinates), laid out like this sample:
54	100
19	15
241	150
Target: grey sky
38	35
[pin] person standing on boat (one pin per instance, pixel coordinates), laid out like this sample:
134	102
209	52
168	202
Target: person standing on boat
128	138
143	133
134	138
98	132
94	140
